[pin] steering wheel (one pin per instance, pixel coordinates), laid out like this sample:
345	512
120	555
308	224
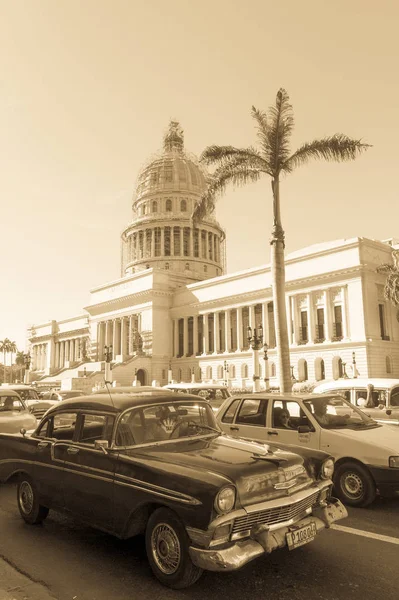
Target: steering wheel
180	423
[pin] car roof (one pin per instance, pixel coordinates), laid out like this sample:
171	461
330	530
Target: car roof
195	386
17	386
8	392
119	402
130	389
280	396
358	382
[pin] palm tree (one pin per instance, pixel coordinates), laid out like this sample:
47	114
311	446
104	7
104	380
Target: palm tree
391	288
12	349
20	361
273	158
5	349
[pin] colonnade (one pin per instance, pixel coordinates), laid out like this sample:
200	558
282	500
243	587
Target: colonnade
122	334
39	357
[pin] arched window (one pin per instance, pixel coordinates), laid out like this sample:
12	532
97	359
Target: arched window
302	370
183	206
232	371
168	205
388	364
244	371
198	371
220	372
209	372
154	206
319	369
338	370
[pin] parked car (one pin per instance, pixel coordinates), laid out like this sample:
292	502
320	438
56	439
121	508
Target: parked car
30	396
59	395
14	413
128	389
366	452
216	394
377	397
157	463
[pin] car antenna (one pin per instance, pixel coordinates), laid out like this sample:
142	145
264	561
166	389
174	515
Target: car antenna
107	386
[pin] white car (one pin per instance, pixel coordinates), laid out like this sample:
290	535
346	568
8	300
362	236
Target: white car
366	452
377	397
14	414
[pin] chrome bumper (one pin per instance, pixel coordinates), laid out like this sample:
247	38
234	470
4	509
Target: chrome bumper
263	541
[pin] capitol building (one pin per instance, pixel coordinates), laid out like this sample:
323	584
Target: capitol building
175	314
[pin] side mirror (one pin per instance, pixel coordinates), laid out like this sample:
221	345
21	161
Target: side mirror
101	445
304	429
22	431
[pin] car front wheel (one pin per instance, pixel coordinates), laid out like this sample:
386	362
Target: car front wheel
167	547
28	502
354	485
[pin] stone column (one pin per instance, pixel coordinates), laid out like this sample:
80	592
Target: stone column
205	334
152	243
239	329
265	323
62	354
176	337
123	338
206	245
216	338
227	331
162	241
328	319
345	319
191	251
252	316
108	336
296	336
57	355
114	339
185	336
195	335
130	336
182	241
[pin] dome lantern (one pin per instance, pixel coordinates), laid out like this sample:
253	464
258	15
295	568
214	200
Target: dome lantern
174	138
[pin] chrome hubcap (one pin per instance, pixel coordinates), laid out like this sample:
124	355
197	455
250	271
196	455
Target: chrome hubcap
352	485
26	497
165	548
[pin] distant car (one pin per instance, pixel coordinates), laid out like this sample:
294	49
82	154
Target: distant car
215	393
65	394
366	452
30	396
377	397
157	463
128	389
14	414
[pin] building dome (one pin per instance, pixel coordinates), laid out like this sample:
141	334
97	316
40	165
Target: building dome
172	170
161	234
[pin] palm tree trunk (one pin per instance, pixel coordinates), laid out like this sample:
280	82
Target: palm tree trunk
4	361
278	285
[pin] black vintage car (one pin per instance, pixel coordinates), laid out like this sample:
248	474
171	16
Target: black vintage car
157	463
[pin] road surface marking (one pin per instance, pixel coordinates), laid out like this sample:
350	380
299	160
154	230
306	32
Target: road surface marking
374	536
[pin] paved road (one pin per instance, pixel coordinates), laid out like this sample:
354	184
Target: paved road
79	563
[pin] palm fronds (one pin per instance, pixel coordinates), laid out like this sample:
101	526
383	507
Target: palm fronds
338	147
391	288
280	129
224	154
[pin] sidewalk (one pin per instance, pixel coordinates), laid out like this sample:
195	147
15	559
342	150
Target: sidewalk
16	586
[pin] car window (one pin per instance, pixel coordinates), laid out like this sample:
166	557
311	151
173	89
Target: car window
394	397
288	415
228	416
45	429
28	394
252	412
64	426
10	404
344	393
370	399
96	427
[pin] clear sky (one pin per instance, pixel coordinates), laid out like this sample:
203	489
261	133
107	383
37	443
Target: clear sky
87	88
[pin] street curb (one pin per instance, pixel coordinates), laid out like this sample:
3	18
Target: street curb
14	585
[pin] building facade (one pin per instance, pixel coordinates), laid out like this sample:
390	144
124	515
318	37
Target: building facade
174	312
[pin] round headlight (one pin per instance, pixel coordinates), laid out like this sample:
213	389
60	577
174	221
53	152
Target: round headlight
225	500
327	469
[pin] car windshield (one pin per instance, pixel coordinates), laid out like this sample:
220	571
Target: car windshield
162	422
10	404
334	412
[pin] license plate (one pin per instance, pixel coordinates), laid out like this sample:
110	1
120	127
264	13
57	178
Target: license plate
302	535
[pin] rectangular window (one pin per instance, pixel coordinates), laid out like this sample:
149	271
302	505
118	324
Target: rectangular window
196	243
383	328
203	244
320	325
190	336
186	241
181	337
233	329
222	329
245	323
304	327
200	334
148	240
210	246
337	327
141	238
157	241
210	333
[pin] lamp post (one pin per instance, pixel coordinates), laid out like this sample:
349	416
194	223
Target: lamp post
27	362
193	375
354	365
108	358
266	359
226	373
255	340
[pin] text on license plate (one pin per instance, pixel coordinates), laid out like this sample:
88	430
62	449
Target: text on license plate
302	535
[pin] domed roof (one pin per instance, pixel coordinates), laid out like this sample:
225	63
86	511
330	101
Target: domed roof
173	169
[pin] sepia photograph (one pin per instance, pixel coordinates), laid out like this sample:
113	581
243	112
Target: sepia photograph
199	306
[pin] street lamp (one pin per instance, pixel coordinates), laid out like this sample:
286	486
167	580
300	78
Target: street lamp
108	358
266	359
354	365
255	340
226	372
27	362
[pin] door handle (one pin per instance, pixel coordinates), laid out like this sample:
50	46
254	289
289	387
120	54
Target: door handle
72	450
235	428
272	433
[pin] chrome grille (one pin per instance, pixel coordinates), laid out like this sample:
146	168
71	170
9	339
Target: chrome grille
278	514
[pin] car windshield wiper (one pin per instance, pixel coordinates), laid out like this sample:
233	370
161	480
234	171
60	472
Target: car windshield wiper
199	426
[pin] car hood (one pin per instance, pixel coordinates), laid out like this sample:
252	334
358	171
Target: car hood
383	437
253	468
12	422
